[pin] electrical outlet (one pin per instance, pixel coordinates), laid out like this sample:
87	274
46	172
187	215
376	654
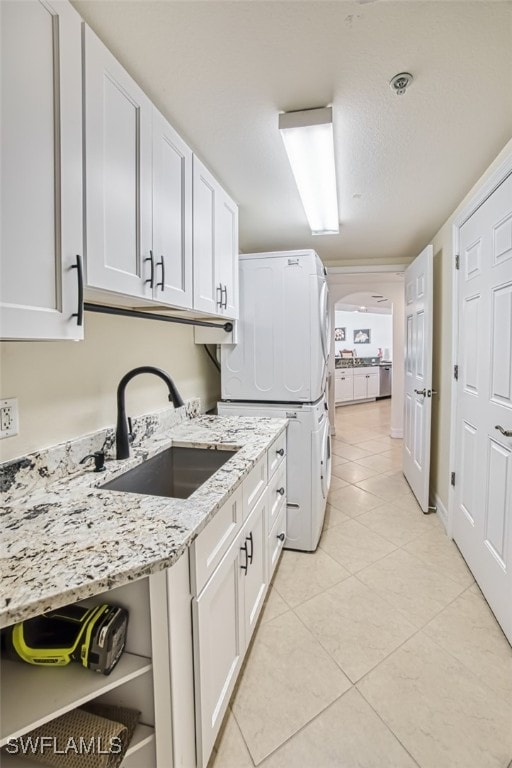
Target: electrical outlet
8	417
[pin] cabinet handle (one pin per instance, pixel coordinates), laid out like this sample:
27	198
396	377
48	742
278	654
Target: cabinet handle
280	491
161	263
250	554
225	292
421	392
151	280
280	451
505	432
219	295
431	392
281	536
80	313
244	566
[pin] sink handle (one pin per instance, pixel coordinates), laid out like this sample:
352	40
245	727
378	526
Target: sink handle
131	434
99	460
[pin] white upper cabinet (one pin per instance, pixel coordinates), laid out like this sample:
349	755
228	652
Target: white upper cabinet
215	246
118	175
172	215
41	179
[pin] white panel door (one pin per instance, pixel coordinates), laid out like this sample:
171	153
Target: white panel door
41	179
483	477
418	374
172	215
118	140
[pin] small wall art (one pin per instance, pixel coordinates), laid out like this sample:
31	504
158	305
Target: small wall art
340	334
362	336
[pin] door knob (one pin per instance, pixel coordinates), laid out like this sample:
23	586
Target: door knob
505	432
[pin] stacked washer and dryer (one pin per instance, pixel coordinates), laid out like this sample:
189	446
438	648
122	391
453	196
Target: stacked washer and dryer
278	368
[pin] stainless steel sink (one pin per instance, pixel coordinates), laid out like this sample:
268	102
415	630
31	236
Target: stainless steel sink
176	472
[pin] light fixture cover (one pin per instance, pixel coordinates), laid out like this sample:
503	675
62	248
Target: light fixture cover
308	139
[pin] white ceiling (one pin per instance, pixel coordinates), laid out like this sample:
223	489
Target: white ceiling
379	304
222	70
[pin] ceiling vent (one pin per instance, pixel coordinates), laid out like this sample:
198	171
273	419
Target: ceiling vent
399	83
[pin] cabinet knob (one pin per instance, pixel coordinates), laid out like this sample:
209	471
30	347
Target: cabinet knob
281	536
280	452
280	491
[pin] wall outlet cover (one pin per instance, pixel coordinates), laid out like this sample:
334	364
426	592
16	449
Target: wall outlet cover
8	417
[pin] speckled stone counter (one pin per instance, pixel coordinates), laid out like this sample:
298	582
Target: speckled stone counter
64	539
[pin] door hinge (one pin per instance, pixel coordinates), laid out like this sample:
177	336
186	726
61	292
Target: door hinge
457	261
453	479
456	372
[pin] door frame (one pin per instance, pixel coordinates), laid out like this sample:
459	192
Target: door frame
337	290
481	194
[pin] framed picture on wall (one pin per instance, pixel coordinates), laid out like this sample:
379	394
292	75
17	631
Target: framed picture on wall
362	336
340	334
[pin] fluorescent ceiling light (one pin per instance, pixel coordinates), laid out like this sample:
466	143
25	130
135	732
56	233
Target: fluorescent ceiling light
309	143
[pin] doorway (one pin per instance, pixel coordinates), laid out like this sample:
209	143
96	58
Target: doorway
346	286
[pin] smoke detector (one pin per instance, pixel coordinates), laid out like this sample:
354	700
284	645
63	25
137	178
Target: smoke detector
399	83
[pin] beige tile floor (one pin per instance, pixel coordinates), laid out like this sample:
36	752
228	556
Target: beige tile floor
378	650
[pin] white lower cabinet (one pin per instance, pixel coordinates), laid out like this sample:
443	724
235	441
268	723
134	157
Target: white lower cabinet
218	648
226	609
343	386
356	384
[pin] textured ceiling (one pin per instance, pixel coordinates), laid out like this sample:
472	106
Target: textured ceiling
221	71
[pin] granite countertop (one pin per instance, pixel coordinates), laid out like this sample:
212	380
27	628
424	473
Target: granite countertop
349	363
66	539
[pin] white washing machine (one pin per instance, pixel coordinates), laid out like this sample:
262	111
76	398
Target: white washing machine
308	464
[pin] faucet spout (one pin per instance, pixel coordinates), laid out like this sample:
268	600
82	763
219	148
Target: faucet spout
122	433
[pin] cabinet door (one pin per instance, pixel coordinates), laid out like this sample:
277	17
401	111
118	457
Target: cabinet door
347	388
219	647
118	143
41	179
226	255
253	563
360	386
338	389
207	296
373	385
172	215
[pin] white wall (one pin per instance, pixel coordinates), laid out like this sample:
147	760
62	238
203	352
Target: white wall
66	389
381	332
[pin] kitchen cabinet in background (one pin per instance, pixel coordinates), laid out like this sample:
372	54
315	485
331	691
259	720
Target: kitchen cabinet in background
41	180
215	245
353	384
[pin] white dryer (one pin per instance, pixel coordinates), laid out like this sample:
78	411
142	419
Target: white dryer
283	335
308	464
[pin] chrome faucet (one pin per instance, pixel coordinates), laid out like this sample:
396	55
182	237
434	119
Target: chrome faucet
123	436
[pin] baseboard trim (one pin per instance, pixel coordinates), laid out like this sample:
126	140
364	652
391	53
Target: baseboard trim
441	511
398	433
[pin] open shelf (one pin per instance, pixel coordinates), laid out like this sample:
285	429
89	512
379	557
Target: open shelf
142	736
40	694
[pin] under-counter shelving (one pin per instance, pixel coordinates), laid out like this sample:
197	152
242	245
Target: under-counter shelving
32	696
43	694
